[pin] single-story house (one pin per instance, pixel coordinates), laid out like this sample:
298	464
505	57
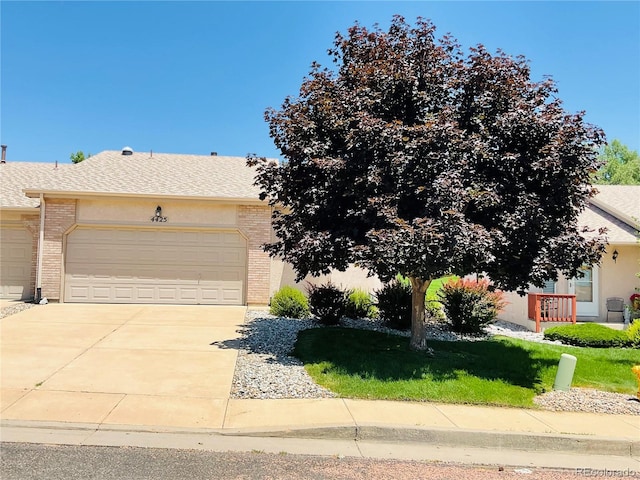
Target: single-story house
146	227
134	227
616	208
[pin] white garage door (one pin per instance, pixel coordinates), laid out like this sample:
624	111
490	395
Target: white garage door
113	265
16	247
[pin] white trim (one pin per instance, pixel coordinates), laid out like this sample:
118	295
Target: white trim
32	193
588	309
40	247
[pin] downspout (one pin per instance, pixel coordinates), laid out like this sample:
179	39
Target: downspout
40	253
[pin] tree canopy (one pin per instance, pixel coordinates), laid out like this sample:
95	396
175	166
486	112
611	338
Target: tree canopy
78	157
621	165
410	157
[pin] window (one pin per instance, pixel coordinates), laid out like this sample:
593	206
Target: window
549	287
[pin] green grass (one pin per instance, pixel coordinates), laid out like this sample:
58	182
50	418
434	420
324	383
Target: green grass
502	371
435	286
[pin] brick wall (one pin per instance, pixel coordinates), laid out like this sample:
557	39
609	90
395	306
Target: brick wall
32	222
60	215
255	223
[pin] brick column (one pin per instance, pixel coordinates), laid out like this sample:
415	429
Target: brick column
60	215
255	223
32	222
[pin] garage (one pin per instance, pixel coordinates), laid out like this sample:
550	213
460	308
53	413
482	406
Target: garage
155	265
16	249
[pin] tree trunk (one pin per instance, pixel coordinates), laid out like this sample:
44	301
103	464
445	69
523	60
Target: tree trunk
418	330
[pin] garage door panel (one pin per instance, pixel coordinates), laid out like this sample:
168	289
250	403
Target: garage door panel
230	295
210	295
189	295
76	293
114	265
102	294
16	248
15	291
16	252
17	271
144	294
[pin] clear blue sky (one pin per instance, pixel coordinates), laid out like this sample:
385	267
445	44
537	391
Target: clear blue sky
196	77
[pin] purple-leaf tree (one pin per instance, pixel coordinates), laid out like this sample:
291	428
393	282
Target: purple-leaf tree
412	157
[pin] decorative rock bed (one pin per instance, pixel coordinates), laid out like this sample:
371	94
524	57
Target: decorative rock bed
264	368
15	308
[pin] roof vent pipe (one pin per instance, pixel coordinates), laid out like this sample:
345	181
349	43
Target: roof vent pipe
4	153
127	151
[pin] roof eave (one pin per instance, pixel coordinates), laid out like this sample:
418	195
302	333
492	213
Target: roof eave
20	209
623	217
35	193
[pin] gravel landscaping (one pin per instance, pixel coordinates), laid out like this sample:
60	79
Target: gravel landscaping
264	368
15	308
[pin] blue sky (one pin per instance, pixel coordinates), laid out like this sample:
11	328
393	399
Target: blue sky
196	77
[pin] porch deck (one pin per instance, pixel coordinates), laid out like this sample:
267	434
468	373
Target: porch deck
551	307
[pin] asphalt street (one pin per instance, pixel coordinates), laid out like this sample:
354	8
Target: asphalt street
23	461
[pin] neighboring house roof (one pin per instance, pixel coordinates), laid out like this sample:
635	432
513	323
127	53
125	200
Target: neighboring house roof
16	176
155	174
616	208
621	201
618	232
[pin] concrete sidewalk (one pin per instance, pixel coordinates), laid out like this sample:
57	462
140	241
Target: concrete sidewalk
373	429
612	440
150	376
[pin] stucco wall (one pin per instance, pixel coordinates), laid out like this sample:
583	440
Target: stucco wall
282	273
616	279
139	211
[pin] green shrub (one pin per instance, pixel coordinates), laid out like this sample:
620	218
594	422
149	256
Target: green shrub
434	307
394	303
470	304
360	304
327	302
634	334
589	335
289	302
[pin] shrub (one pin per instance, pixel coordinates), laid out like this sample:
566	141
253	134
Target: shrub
434	310
635	301
394	303
327	302
360	304
470	304
634	334
589	335
432	298
289	302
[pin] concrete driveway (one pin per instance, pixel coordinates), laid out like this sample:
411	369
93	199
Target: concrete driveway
118	364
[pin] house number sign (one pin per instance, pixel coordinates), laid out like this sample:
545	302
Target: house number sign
158	216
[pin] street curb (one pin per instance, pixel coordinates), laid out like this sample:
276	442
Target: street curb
557	443
538	442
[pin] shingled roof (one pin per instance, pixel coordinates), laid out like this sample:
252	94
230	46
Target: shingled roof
155	174
622	201
16	176
616	208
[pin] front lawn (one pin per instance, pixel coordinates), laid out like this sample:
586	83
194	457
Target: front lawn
501	371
